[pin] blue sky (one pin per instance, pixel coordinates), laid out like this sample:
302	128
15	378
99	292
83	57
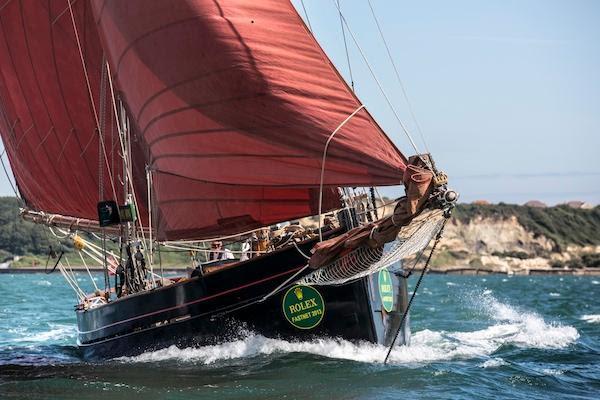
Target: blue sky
507	92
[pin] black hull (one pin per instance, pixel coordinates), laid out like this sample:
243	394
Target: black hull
217	307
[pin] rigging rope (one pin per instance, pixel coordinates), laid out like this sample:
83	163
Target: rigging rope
91	98
380	86
125	153
389	53
348	118
306	14
346	47
437	240
13	187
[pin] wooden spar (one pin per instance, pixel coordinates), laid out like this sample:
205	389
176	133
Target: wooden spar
66	222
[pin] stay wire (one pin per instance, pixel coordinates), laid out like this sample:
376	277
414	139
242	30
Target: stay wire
437	240
346	47
404	93
306	15
12	185
379	85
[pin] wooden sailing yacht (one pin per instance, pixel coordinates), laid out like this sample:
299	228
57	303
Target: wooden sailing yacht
158	123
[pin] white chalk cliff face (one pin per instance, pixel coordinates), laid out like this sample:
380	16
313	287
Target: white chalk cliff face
501	245
489	235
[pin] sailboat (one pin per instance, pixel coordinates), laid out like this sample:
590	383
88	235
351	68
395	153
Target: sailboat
215	127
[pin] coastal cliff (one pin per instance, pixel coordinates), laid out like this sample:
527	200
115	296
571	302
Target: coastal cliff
520	239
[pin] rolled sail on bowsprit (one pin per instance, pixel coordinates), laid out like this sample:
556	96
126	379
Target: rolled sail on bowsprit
231	104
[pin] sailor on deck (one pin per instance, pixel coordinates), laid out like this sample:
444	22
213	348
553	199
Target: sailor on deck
219	253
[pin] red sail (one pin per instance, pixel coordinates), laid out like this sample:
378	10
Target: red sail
234	101
46	119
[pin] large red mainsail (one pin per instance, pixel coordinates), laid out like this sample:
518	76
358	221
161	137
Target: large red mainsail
235	101
231	104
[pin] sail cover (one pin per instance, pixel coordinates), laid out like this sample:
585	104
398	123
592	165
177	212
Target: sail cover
234	101
46	118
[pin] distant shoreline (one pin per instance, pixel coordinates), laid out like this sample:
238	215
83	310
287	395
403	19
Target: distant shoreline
38	270
531	271
449	271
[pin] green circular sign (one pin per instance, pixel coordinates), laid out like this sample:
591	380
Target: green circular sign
303	307
386	290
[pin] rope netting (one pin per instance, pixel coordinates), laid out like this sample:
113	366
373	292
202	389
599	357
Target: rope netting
364	261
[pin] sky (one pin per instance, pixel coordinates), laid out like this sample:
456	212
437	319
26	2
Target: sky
507	93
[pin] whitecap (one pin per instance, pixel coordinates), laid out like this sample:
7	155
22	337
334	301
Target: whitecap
493	363
591	318
450	283
552	371
43	283
524	328
554	294
594	282
57	332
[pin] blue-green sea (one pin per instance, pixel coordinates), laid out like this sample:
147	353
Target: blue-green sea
473	337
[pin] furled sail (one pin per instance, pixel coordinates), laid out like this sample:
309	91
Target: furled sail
234	102
47	121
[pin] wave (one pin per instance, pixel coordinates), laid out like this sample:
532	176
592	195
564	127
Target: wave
524	328
591	318
493	363
56	333
510	326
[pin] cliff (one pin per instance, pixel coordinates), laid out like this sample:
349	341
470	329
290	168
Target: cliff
520	239
480	237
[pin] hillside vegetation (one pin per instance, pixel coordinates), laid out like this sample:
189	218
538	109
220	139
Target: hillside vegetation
562	224
17	236
476	233
32	242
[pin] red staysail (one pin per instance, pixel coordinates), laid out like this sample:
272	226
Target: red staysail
235	101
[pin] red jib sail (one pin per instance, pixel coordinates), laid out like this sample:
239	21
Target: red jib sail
234	101
46	118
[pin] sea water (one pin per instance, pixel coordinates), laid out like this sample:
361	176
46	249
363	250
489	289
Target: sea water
517	337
